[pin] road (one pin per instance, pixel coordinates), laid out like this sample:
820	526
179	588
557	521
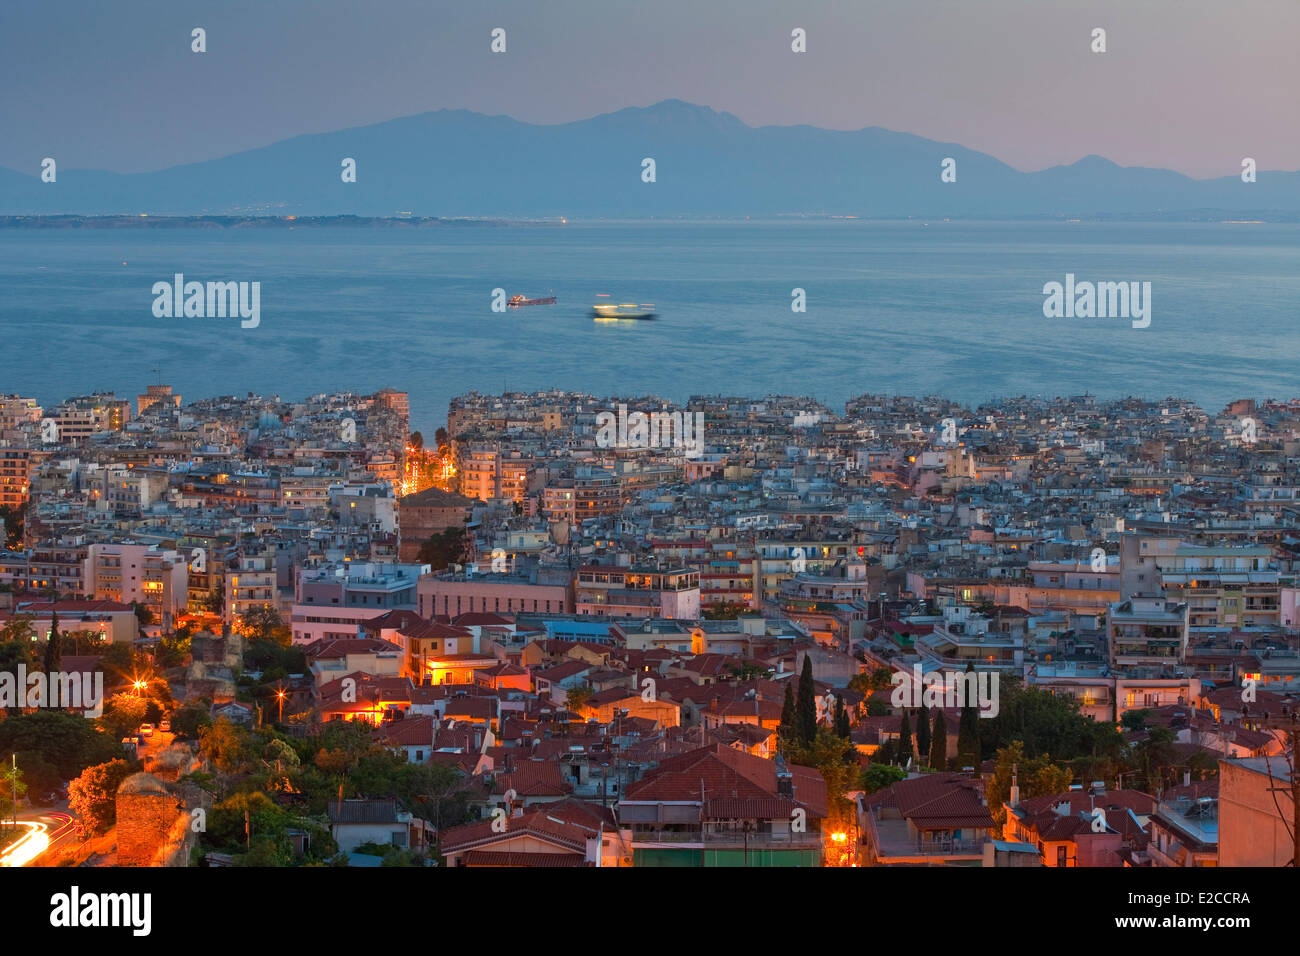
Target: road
47	830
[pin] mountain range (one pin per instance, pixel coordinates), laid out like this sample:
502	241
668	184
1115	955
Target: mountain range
454	163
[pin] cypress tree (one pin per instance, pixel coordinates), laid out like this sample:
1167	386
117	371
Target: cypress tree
806	704
841	718
789	717
968	733
53	652
923	732
904	739
939	742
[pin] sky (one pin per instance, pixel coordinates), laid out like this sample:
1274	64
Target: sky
1190	85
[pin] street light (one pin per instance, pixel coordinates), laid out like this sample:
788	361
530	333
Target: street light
280	696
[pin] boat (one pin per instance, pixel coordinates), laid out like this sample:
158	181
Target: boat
516	301
626	310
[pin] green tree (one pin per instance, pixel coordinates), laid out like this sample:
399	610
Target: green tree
968	731
806	704
123	714
939	741
841	719
67	741
12	519
1135	720
225	744
18	629
13	787
263	623
53	646
1036	777
189	721
923	722
724	611
788	728
576	697
444	549
1047	723
878	776
904	738
835	758
92	797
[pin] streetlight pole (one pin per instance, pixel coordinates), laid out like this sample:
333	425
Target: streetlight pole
13	786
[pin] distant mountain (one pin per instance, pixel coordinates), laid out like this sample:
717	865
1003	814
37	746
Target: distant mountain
458	163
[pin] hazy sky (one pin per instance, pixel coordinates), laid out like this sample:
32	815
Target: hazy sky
1192	85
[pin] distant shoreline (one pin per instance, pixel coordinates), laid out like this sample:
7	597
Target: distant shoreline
145	221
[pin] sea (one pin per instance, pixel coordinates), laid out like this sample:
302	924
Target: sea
916	307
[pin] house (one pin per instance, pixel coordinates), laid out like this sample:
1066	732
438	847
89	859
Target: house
1095	827
720	806
935	819
383	822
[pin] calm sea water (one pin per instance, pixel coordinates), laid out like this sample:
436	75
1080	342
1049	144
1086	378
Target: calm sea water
907	308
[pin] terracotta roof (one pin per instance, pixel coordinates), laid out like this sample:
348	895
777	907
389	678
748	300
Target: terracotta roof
506	858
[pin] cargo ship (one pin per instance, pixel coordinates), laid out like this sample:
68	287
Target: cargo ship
517	301
628	310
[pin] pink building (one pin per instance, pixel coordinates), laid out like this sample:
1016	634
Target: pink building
449	595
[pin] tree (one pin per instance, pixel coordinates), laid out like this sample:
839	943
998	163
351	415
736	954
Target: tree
417	441
835	758
968	730
67	741
225	745
806	704
12	789
788	728
841	719
444	549
123	714
18	629
263	623
923	721
724	611
1135	719
878	776
904	739
1036	777
577	696
142	614
53	646
12	519
939	741
92	797
189	721
440	437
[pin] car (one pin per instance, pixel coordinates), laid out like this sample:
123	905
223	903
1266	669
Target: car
146	730
165	727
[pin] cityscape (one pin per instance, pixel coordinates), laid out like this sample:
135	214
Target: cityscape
851	446
1031	633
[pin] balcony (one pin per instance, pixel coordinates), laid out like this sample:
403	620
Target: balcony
894	838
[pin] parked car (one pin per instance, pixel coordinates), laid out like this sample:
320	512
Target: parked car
165	727
146	730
